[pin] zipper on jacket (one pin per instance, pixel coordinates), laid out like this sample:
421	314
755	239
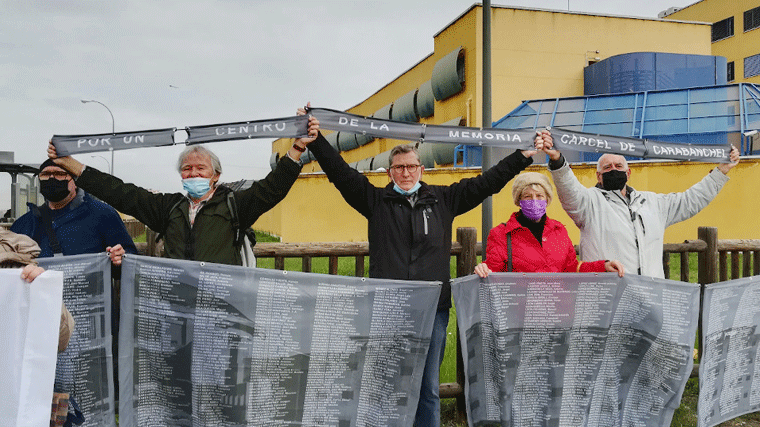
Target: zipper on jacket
633	223
641	221
425	219
636	237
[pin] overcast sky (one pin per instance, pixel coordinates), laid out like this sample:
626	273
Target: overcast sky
159	64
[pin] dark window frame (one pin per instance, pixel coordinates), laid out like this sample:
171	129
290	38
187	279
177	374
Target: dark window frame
751	19
722	29
730	71
754	66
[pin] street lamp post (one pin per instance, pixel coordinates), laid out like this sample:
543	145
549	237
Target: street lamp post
113	127
106	160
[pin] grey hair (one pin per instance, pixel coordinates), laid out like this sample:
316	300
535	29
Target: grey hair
599	162
403	149
203	151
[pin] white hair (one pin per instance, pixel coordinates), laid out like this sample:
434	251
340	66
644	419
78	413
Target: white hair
599	162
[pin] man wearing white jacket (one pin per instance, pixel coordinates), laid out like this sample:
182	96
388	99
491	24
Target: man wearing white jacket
618	222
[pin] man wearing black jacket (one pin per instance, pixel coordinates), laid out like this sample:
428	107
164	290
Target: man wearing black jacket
409	231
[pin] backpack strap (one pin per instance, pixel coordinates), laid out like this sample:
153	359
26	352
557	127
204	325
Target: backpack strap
240	233
45	216
163	232
189	242
232	205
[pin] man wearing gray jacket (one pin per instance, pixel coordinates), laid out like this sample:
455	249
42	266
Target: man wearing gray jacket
619	222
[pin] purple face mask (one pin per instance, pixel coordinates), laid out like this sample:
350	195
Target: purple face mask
534	210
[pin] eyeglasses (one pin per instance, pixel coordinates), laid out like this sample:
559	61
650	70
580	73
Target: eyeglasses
59	175
409	168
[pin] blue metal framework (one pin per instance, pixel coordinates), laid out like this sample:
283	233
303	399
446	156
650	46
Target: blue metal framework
701	115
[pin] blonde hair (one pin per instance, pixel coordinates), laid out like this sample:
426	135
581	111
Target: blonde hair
532	180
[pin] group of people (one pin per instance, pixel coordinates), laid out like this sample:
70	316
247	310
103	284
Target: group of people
409	221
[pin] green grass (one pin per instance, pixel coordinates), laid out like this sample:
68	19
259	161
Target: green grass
265	237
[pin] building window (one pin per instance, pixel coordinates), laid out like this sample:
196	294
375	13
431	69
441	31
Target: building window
723	29
752	66
730	71
752	19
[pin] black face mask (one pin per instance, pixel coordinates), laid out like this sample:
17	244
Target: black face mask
54	190
614	180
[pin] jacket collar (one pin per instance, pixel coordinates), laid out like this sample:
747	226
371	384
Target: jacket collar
513	224
77	200
609	194
219	194
73	204
424	194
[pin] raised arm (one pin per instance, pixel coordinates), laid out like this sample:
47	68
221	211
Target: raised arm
572	194
676	207
353	186
149	208
470	192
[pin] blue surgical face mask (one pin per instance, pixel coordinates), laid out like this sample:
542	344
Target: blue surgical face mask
196	187
406	192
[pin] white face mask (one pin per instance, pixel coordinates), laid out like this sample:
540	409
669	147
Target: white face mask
196	187
408	192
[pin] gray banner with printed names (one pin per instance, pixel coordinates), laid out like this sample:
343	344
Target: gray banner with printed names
234	346
558	349
85	368
729	372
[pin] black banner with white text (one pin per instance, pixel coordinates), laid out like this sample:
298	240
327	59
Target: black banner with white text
296	127
66	145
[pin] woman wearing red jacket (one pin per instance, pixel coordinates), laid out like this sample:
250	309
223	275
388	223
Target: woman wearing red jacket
530	242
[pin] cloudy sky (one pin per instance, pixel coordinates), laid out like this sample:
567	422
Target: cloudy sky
159	64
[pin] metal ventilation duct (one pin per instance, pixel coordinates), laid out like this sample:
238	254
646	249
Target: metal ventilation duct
404	108
333	140
425	101
364	165
443	154
448	75
381	160
363	139
426	154
347	141
384	113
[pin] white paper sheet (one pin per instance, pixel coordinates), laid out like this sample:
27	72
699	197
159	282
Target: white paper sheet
29	322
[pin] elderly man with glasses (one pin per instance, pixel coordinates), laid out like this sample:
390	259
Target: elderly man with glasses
409	230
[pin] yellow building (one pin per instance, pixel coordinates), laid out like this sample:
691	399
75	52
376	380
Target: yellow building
536	53
735	33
